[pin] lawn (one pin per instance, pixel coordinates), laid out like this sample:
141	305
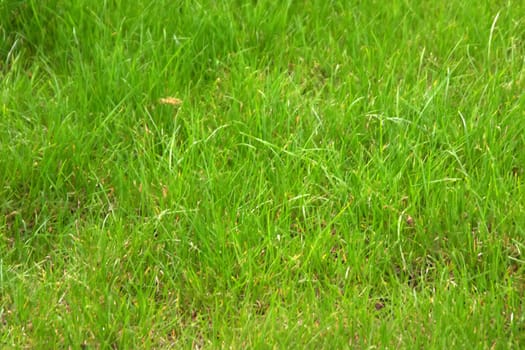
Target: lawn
262	174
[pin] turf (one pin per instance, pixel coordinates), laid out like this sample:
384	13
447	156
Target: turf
262	174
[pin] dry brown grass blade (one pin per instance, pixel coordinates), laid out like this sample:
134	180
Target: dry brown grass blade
170	101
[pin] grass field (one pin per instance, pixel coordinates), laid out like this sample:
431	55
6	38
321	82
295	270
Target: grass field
262	174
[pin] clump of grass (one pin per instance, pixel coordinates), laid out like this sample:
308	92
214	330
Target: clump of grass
230	174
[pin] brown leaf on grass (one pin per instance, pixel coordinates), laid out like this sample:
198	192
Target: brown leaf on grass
170	101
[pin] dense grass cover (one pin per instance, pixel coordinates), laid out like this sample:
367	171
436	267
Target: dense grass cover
262	174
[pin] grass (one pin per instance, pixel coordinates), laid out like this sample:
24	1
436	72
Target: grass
332	175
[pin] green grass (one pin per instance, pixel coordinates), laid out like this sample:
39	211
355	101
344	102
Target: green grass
338	175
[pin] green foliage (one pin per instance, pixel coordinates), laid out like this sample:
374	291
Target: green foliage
325	174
